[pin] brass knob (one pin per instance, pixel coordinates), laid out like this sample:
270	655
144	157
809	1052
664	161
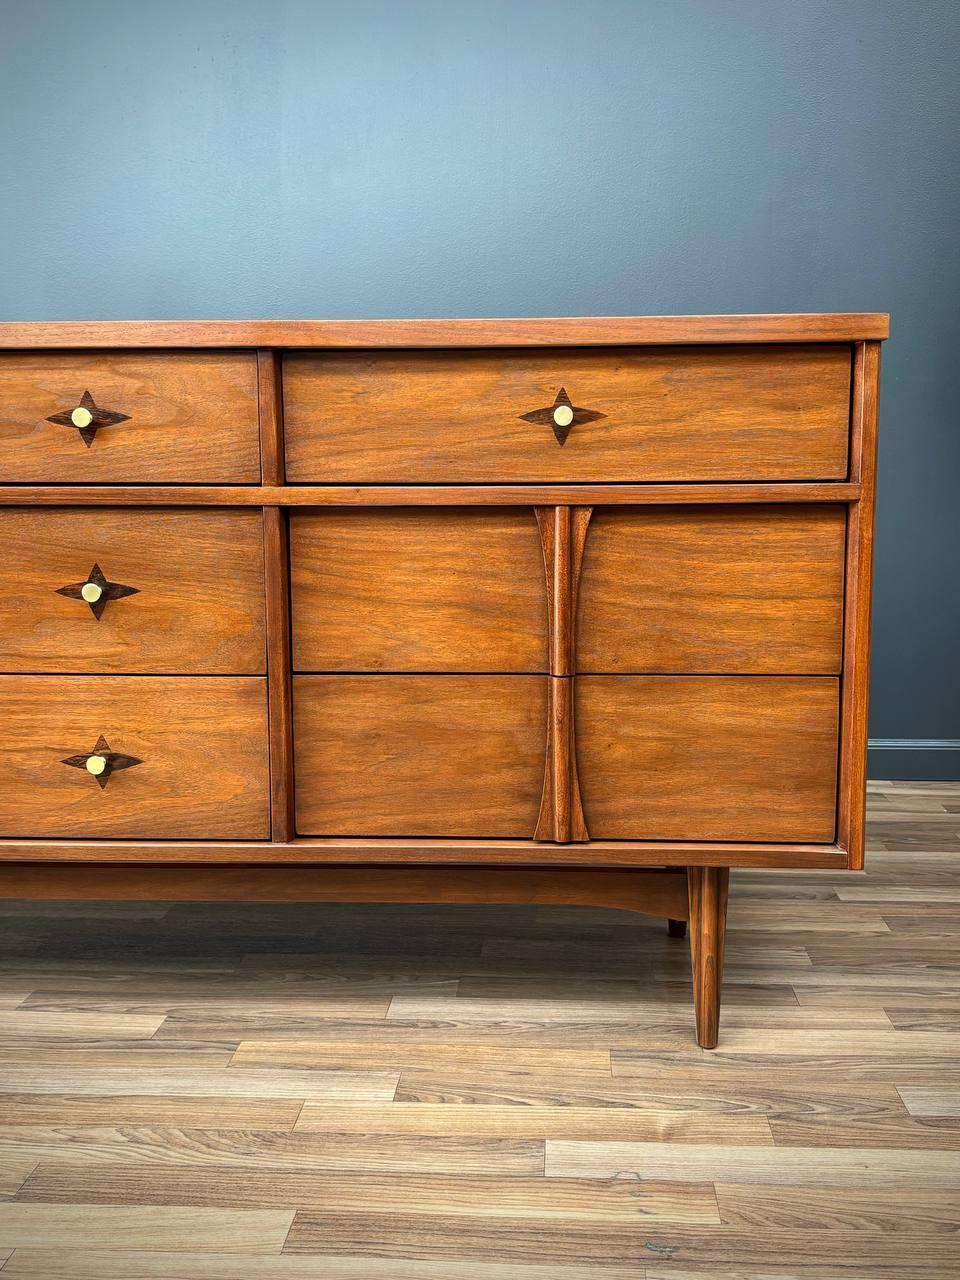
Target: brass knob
81	417
563	415
91	592
96	765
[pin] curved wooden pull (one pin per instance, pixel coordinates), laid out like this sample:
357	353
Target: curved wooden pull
101	763
87	418
563	532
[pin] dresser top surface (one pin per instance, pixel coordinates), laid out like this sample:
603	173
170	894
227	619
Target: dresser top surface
526	331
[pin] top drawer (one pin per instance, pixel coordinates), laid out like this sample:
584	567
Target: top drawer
611	414
117	416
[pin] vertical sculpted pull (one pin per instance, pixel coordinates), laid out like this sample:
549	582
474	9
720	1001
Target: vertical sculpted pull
563	531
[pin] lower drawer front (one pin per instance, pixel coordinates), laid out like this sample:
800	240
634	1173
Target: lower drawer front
134	756
708	757
419	755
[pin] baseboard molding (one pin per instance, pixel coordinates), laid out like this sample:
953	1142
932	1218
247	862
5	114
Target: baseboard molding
915	759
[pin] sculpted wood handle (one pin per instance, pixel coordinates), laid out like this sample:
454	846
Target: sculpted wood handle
101	762
87	418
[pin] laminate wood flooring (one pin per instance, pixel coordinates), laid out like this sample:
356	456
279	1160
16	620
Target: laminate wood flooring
196	1092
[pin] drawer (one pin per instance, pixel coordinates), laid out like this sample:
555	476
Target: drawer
179	757
184	417
418	589
419	755
708	757
170	591
639	413
712	590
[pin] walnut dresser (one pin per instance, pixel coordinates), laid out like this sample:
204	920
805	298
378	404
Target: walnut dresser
545	611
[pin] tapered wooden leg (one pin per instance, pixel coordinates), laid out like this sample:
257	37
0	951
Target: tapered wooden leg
677	928
707	892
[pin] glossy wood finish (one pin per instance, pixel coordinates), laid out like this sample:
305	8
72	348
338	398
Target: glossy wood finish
563	533
201	742
192	416
199	607
708	757
419	755
561	811
749	590
413	589
378	1077
518	332
708	888
691	413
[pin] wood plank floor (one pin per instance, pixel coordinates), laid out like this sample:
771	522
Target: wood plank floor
191	1092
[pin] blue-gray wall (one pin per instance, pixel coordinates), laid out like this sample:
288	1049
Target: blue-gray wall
220	158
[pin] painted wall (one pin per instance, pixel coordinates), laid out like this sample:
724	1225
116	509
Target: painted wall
225	158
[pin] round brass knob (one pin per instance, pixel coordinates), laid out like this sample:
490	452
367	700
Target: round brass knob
81	417
96	765
563	415
91	592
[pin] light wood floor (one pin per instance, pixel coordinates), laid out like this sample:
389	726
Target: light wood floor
377	1093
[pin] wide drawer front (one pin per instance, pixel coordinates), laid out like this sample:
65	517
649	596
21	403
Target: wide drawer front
627	414
121	590
708	758
123	416
134	756
684	758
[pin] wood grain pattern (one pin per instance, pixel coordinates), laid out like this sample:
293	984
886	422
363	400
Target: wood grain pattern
525	331
192	417
419	755
202	742
563	534
857	604
751	590
270	417
199	603
696	413
708	757
452	589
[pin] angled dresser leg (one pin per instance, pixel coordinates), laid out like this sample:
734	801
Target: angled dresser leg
707	891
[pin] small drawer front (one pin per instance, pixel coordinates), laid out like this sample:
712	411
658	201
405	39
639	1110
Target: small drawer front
712	590
86	757
181	417
419	755
708	757
126	591
627	414
418	589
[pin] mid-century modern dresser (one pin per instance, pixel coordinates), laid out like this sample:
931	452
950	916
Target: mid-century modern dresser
550	611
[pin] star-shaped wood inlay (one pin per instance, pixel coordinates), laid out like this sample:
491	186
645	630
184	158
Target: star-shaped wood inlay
97	592
562	416
101	762
88	418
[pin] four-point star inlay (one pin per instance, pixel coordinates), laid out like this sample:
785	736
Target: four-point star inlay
88	418
562	416
97	592
101	762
